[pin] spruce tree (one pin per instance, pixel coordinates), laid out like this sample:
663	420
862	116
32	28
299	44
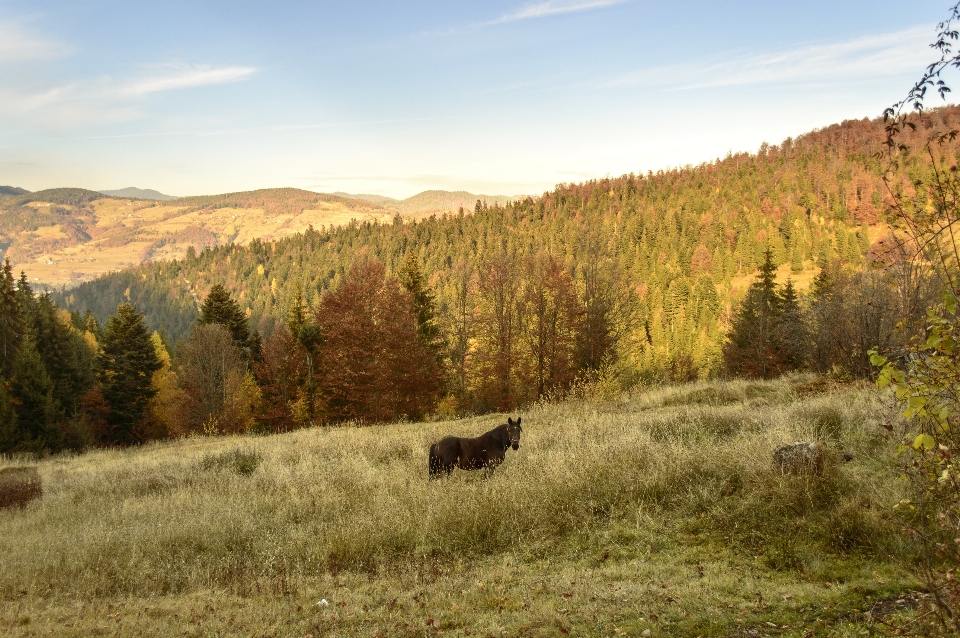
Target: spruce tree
424	305
792	332
11	320
37	425
754	348
219	307
65	355
8	420
126	364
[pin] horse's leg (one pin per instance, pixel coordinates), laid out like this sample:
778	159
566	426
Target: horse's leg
434	465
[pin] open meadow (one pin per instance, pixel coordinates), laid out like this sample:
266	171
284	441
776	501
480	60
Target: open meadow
658	510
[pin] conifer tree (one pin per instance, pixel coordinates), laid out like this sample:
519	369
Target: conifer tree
424	304
126	364
754	348
307	335
37	425
11	320
219	307
65	355
8	419
792	330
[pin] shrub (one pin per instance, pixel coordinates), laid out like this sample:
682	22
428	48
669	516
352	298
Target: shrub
19	486
242	462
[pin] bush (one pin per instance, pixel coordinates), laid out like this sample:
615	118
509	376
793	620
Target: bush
19	486
242	462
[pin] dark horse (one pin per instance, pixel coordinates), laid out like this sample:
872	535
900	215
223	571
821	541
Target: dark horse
484	452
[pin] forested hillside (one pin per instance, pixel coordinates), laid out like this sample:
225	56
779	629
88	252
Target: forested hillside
672	250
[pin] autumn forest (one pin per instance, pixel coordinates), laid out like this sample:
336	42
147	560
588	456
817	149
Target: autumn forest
752	265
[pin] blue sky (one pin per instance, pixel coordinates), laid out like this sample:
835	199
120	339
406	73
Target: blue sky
498	97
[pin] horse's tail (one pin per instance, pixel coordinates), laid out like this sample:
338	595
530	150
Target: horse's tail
435	460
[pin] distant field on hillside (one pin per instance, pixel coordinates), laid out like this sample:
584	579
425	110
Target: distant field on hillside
656	510
63	237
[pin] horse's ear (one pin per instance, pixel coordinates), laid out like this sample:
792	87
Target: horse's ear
518	420
509	421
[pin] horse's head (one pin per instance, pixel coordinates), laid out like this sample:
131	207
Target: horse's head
513	431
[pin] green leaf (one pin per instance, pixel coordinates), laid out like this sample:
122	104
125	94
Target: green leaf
924	441
877	360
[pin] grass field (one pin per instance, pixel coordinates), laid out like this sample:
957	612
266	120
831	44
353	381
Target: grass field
655	511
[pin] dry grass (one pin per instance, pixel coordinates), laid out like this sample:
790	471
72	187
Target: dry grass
658	510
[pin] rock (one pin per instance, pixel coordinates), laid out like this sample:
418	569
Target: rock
801	458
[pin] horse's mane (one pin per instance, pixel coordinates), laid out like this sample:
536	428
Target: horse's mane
502	426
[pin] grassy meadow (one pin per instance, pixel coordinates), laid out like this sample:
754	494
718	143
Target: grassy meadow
658	510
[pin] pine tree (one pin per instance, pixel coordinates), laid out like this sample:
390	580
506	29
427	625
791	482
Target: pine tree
11	320
219	307
754	348
792	330
37	410
8	420
126	364
424	304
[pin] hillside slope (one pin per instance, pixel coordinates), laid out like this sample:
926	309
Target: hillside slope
67	236
62	237
9	191
435	201
657	511
677	246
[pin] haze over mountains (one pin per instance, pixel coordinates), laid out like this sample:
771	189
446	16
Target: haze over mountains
434	200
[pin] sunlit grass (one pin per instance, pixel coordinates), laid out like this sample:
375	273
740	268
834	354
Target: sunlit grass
669	490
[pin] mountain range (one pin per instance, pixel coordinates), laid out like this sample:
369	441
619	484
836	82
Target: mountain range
139	193
66	236
669	253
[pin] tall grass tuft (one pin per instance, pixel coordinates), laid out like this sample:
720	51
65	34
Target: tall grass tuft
250	514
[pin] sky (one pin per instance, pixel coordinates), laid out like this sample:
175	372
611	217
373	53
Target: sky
498	97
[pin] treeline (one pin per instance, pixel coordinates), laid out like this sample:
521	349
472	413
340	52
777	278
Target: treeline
373	349
684	244
634	278
376	348
848	311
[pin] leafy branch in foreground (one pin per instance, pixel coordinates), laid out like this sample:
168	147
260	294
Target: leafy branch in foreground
925	380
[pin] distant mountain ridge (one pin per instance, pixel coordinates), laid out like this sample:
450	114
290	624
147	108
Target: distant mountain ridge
65	236
435	201
677	248
139	193
12	190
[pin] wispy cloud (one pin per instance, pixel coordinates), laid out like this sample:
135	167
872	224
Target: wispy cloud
865	57
186	76
553	7
18	44
107	99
